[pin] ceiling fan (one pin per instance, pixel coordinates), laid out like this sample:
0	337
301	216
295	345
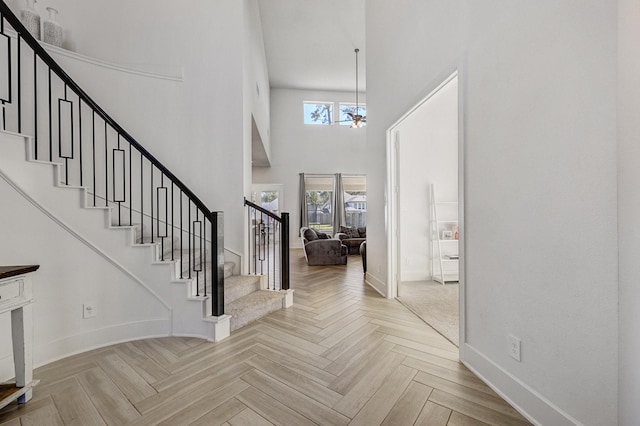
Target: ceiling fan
357	120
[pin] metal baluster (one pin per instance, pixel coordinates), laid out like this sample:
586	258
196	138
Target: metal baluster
19	85
189	228
162	235
275	255
35	104
256	236
117	199
181	246
130	188
268	251
151	204
203	257
50	121
93	132
172	223
66	160
106	167
158	224
249	237
141	201
9	85
195	268
80	137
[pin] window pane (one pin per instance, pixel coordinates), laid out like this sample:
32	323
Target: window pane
318	113
269	201
345	109
319	210
355	208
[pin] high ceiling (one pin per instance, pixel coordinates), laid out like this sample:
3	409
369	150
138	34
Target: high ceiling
310	44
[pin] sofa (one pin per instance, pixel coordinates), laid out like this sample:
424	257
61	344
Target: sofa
320	249
352	237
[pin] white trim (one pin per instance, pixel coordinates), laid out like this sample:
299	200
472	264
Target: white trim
462	203
518	394
153	328
287	300
409	276
83	240
370	280
392	196
221	327
176	74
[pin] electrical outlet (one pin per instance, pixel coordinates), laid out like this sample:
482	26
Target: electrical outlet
89	310
514	348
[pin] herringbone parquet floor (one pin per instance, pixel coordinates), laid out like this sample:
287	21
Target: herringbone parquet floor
341	355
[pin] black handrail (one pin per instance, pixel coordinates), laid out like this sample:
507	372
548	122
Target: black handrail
201	237
47	59
262	210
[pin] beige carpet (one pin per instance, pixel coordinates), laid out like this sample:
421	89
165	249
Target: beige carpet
435	303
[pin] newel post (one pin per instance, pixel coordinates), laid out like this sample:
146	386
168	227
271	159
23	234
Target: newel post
284	246
217	264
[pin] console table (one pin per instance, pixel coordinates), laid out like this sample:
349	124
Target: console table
16	297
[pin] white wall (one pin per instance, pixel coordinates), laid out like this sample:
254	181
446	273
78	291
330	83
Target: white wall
197	124
428	154
256	104
305	148
540	132
629	209
70	274
256	89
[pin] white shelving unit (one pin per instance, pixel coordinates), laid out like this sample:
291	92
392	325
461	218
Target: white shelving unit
443	233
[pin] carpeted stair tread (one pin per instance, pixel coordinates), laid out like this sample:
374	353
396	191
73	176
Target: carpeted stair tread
253	306
237	286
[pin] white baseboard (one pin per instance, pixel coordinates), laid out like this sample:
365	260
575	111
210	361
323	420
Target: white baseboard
49	352
408	276
531	404
376	284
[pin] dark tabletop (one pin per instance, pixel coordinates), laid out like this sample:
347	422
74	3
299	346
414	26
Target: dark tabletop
12	271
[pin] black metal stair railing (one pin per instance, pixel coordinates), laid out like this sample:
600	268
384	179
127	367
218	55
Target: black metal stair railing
38	98
268	241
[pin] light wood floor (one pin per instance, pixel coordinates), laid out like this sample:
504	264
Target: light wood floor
341	355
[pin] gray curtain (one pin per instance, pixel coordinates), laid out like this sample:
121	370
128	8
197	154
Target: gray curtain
304	213
339	217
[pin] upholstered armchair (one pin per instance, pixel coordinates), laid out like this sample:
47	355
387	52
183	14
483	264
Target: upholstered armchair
319	249
352	237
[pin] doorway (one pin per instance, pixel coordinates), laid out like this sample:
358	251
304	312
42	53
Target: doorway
425	164
268	196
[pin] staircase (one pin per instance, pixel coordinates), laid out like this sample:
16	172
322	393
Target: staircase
245	296
113	195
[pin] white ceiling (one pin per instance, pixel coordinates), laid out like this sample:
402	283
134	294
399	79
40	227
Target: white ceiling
310	44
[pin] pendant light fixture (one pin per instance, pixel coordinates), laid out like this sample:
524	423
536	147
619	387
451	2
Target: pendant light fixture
358	119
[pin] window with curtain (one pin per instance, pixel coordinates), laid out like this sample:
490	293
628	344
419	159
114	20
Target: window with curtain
319	196
319	199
